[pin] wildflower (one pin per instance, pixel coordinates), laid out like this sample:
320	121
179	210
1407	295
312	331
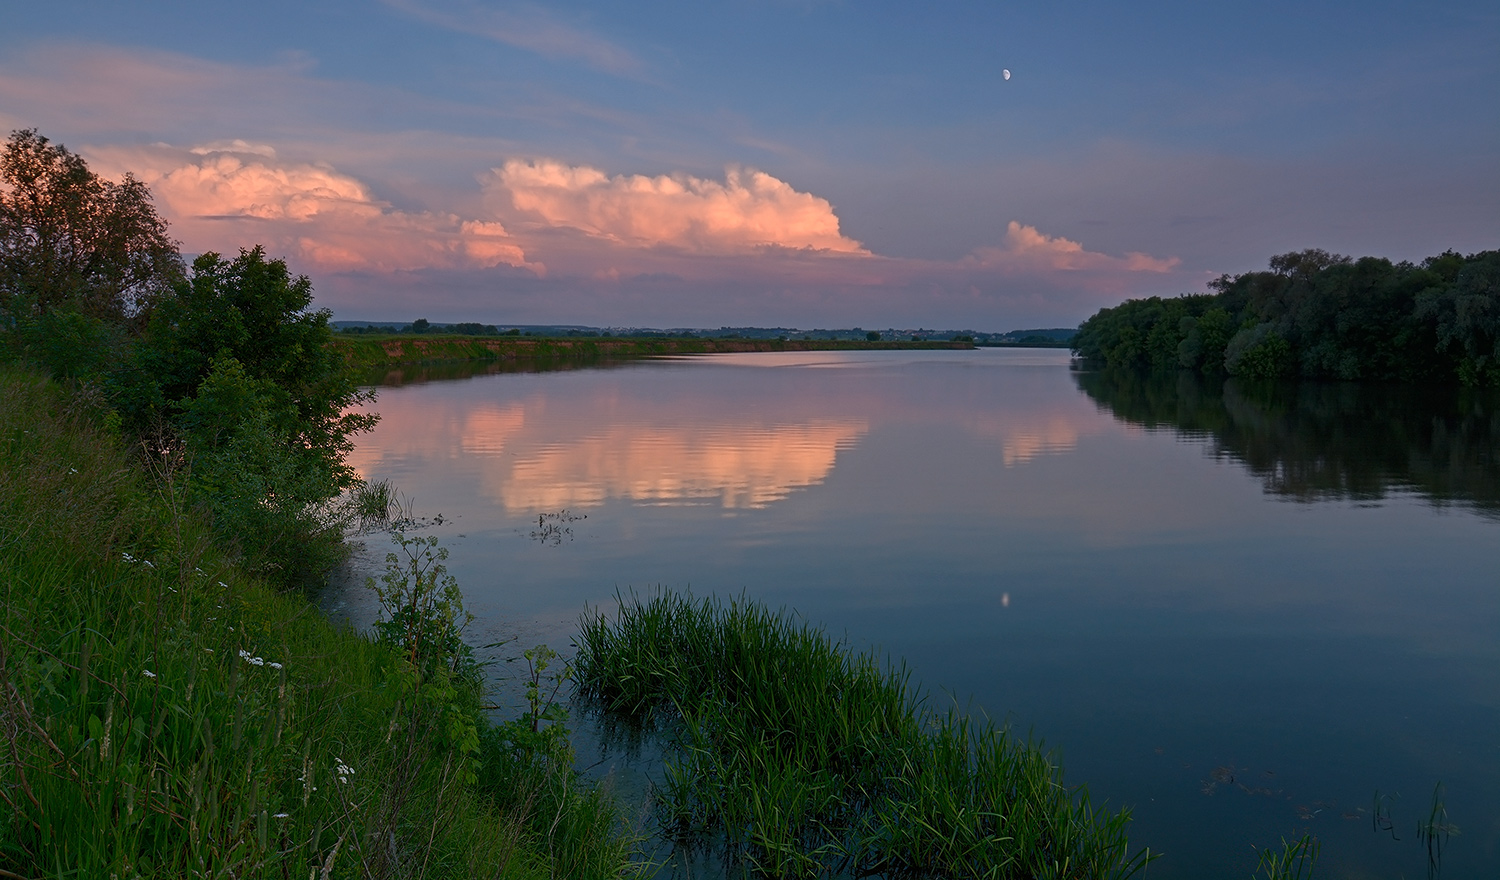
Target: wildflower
147	563
128	557
148	673
274	665
281	816
72	470
225	586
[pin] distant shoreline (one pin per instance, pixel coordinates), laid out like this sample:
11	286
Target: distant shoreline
366	352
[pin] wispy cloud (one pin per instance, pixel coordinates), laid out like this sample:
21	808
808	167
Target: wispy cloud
525	26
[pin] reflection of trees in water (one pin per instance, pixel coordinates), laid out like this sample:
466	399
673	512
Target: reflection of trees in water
442	371
1313	441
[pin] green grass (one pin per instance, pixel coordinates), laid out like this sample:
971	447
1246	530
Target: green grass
163	714
801	757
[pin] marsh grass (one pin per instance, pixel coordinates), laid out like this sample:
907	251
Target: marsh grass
1433	833
164	714
801	757
1293	861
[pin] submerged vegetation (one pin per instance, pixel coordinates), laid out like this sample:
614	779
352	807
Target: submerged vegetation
803	757
1319	316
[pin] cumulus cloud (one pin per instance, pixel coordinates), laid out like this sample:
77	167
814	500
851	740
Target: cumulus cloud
749	210
1028	250
225	195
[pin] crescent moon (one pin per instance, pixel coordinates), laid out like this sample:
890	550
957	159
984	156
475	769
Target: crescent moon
1005	73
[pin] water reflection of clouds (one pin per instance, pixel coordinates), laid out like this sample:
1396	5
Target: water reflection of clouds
732	439
530	455
1026	435
733	465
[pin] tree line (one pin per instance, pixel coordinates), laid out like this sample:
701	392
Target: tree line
219	371
1318	315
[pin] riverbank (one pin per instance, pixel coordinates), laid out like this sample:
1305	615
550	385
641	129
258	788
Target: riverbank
374	352
163	713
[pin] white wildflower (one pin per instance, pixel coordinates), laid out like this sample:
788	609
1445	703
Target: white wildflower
281	816
274	665
148	673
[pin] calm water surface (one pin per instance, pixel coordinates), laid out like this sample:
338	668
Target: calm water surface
1241	614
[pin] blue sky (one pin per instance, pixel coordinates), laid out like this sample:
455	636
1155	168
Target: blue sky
781	163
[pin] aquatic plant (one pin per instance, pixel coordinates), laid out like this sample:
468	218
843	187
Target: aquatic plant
802	757
1293	861
1433	834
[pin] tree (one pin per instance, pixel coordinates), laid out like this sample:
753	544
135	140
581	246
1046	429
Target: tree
240	367
251	310
71	240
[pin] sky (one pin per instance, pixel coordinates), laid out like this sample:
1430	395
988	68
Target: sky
794	163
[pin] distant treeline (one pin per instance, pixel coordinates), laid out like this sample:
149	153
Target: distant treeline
422	325
1320	316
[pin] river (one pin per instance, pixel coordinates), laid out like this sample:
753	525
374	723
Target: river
1245	613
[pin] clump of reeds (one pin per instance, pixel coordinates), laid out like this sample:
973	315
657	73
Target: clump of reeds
803	757
1293	861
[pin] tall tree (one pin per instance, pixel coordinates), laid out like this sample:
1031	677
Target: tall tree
70	239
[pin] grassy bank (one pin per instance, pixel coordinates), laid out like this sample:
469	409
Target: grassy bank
803	757
372	352
163	714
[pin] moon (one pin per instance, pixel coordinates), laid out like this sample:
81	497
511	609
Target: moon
1005	73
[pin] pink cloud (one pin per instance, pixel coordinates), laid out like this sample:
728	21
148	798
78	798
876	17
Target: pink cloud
226	196
1028	250
748	211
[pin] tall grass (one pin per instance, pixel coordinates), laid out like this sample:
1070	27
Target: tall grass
163	714
802	757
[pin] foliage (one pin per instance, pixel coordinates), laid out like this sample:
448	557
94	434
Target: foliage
238	368
1319	315
165	714
804	758
422	611
72	241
